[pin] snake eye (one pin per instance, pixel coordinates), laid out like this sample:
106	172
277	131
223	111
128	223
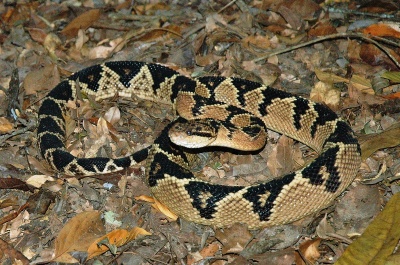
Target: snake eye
189	133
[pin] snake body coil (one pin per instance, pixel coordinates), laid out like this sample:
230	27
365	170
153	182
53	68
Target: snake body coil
233	100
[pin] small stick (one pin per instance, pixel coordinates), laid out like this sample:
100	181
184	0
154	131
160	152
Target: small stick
339	36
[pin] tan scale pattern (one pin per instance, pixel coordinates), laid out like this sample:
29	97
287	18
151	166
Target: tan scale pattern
227	92
295	200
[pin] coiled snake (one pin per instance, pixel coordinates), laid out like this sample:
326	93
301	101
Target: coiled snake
237	107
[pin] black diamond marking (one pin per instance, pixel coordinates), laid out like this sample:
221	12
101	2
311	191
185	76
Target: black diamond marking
325	161
301	106
49	141
269	95
138	156
91	164
48	124
274	188
342	134
217	192
62	91
324	115
89	76
161	73
50	107
61	159
182	83
211	82
161	165
126	70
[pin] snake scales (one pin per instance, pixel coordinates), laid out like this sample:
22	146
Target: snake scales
233	100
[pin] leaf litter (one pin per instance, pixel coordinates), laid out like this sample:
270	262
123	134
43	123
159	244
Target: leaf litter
48	41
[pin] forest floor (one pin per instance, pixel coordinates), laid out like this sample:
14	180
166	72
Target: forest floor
344	54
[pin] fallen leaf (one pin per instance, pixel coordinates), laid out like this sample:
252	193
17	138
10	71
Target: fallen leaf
383	29
362	84
158	206
113	115
105	51
393	76
43	79
309	251
77	235
13	183
322	30
392	96
5	125
82	21
117	238
372	55
38	180
284	157
328	77
378	242
37	34
326	93
261	42
233	238
388	138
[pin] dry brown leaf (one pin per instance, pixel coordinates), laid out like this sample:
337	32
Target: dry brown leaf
43	79
210	250
309	250
37	34
82	21
207	59
328	77
322	30
362	84
5	125
233	238
326	93
383	29
393	96
379	242
13	183
117	237
38	180
77	235
261	42
158	206
281	159
113	115
105	51
388	138
267	72
372	55
151	7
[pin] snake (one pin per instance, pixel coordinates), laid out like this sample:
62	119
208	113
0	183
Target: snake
214	111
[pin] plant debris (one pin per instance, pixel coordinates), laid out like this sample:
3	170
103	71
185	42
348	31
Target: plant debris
344	54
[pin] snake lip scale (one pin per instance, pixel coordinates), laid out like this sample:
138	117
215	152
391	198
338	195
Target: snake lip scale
244	106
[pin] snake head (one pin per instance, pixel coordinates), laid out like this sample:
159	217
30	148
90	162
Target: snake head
194	133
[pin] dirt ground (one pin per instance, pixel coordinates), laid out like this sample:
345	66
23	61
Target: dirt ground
344	54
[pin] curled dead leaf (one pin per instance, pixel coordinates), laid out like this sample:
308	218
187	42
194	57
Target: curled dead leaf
82	21
378	243
5	125
158	206
118	237
77	235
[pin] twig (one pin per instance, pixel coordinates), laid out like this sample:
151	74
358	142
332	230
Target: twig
5	137
354	12
339	36
226	6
